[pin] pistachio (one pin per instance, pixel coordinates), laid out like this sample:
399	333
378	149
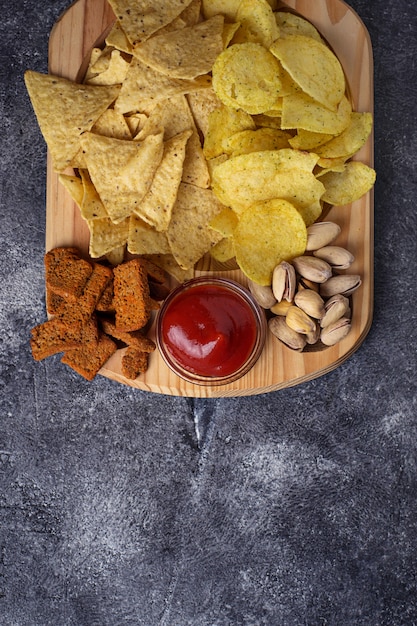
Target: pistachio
335	307
288	336
299	321
336	256
303	283
335	332
263	294
312	268
321	234
310	302
343	283
314	336
283	281
281	308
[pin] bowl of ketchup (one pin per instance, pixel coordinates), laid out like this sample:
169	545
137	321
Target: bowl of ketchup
210	331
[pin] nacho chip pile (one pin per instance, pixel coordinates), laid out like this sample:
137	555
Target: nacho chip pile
204	125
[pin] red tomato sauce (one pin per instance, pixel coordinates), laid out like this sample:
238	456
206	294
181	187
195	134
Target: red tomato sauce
209	330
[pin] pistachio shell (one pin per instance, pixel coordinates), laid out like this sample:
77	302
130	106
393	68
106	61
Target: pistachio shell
335	307
283	281
310	302
312	268
299	321
335	332
321	234
343	283
336	256
263	294
280	329
281	308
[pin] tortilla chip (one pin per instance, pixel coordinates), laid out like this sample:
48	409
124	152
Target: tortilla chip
112	124
118	39
156	206
91	206
74	186
122	171
105	236
185	53
144	86
189	234
143	239
113	74
143	18
65	110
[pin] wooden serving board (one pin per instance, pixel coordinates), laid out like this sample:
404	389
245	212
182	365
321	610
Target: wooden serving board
81	27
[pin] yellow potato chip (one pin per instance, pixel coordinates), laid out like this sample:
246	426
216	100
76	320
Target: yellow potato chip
330	165
185	53
189	233
65	110
293	24
301	111
156	206
308	140
143	239
222	123
345	187
122	171
246	76
350	140
256	140
223	250
229	31
144	86
257	23
250	178
227	8
313	66
268	233
105	236
141	19
224	222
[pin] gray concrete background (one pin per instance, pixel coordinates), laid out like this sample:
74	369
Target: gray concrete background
298	507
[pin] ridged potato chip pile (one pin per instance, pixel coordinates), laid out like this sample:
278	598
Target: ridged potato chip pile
204	126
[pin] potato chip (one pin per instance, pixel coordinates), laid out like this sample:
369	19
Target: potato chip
65	110
156	206
224	222
345	187
227	8
222	123
251	178
105	236
308	140
122	171
350	140
247	141
246	76
143	239
257	23
223	250
229	31
301	111
268	233
144	86
141	19
313	66
185	53
189	234
293	24
330	165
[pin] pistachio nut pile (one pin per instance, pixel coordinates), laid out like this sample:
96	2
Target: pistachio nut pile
309	297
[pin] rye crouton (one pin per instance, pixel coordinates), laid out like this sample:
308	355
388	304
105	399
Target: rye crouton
89	358
135	338
65	272
56	336
131	295
134	362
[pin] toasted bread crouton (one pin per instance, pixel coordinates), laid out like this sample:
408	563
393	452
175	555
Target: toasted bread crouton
134	362
131	295
53	301
65	272
134	338
105	303
89	358
154	272
56	336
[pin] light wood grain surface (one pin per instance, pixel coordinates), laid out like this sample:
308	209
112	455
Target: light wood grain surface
76	32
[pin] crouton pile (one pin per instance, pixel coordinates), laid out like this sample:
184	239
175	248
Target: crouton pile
95	309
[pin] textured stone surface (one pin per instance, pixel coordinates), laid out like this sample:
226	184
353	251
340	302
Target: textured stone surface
295	507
